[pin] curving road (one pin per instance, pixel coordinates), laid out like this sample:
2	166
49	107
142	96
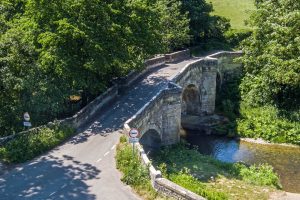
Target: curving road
84	167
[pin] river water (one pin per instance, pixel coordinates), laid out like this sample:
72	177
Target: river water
284	159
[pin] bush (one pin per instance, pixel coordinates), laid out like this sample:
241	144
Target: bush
27	146
262	175
234	37
268	123
134	173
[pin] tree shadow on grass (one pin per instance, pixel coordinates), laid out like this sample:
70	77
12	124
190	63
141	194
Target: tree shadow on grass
49	177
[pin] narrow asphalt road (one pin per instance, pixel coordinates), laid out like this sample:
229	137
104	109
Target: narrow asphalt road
84	167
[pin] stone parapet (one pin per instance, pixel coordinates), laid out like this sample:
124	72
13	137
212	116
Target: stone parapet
178	56
171	189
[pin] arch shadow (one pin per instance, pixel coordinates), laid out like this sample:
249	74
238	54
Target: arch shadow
151	141
191	100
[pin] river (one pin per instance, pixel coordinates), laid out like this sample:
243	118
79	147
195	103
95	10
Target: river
284	159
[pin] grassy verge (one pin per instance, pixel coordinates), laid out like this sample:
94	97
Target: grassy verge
27	146
214	179
134	173
236	10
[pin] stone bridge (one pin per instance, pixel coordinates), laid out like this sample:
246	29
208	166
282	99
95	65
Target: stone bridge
192	92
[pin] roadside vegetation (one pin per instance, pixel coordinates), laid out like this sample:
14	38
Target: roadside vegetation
27	146
214	179
134	173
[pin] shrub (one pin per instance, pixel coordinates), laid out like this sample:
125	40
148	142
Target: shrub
262	175
235	36
27	146
268	123
134	173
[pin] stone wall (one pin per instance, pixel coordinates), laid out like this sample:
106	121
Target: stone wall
161	113
98	104
178	56
228	67
202	74
171	189
162	185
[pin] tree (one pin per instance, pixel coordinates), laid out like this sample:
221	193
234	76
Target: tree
272	56
203	26
174	25
53	49
270	89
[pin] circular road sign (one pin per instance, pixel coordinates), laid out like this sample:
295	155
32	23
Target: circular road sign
134	133
26	116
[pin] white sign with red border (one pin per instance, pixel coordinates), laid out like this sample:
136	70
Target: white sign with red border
134	136
134	133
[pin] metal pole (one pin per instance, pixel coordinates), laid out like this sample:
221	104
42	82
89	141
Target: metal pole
133	150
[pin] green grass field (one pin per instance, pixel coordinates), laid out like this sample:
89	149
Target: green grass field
235	10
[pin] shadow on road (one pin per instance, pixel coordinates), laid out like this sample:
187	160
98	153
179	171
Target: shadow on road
49	178
113	117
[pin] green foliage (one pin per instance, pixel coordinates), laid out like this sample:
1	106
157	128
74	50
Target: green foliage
271	58
270	124
258	174
203	26
134	173
270	89
50	50
123	139
199	173
234	37
27	146
186	180
174	24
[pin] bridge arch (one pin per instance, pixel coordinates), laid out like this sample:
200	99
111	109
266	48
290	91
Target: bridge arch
151	139
191	100
219	81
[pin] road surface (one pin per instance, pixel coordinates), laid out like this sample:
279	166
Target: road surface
84	167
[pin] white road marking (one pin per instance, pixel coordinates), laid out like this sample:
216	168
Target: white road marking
113	147
99	160
106	153
52	194
62	187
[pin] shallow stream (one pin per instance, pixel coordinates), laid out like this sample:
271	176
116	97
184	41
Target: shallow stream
284	159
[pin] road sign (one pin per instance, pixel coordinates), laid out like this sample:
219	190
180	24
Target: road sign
134	133
133	140
26	117
27	124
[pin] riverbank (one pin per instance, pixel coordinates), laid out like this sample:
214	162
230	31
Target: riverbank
284	159
264	142
215	179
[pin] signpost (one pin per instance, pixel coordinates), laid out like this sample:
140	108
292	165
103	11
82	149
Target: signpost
133	138
26	122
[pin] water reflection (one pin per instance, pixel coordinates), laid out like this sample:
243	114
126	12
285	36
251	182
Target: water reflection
285	160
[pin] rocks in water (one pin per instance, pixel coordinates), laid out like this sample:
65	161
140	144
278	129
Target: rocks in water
205	124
